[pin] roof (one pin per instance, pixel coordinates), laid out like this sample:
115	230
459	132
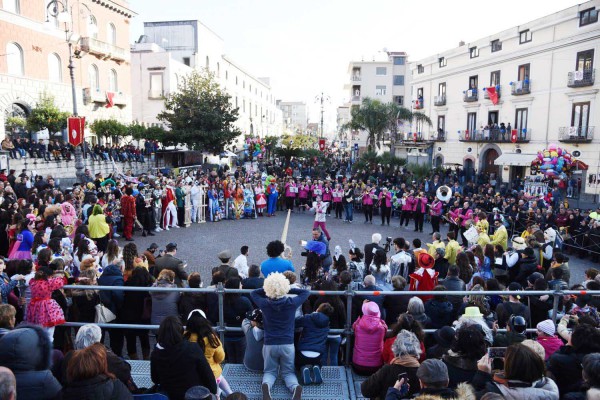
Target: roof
515	159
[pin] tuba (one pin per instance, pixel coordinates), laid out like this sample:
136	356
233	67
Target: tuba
444	193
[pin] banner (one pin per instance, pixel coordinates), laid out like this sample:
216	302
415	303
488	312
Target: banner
322	144
513	136
76	130
110	99
493	95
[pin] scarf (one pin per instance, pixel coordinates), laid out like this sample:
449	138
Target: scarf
406	361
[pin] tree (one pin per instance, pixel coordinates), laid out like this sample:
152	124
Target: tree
46	115
136	131
372	116
109	128
298	141
200	114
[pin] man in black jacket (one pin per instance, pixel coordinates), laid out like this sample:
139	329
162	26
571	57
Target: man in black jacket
375	240
169	261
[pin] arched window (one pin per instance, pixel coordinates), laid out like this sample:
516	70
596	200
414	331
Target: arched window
12	6
113	84
92	28
111	34
93	77
207	64
14	59
54	68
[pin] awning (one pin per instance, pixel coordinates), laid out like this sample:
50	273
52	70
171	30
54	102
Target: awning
515	159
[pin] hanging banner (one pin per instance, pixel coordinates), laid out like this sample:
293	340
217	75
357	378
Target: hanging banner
76	129
513	136
322	144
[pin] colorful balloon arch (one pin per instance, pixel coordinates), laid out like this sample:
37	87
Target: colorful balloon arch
254	147
556	163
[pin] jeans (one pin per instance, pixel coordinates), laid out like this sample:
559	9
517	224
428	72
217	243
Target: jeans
348	207
333	348
280	357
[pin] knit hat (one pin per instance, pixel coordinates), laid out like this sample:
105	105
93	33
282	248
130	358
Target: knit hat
371	308
547	327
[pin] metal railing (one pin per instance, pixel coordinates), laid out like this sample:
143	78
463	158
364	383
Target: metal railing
104	49
220	291
438	136
486	95
471	95
576	134
583	78
439	100
519	88
494	136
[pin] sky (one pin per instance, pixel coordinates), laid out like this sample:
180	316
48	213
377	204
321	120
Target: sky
305	46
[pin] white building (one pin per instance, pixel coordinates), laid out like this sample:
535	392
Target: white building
295	115
170	49
544	73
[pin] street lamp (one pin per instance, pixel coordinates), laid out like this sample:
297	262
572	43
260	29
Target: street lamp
322	98
63	14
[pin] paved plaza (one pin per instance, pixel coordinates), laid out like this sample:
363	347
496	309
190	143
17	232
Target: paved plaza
199	244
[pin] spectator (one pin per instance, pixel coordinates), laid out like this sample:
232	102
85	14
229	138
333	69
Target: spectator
512	307
407	350
540	305
8	384
416	308
407	322
444	339
337	320
438	310
275	263
546	336
467	349
192	300
369	286
395	305
228	270
312	344
177	364
7	318
369	331
515	332
164	304
170	262
235	307
441	264
136	311
591	376
252	326
85	300
112	275
241	262
561	262
453	283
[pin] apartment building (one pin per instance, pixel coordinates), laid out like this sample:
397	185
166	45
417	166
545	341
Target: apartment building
34	37
169	50
295	116
536	79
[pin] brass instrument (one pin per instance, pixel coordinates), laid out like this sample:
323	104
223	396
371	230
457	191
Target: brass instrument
444	193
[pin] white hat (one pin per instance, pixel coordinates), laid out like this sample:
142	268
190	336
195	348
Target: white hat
546	326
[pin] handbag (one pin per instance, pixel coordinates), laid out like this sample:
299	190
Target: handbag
103	314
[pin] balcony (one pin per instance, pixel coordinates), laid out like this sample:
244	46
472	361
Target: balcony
356	98
520	88
439	100
439	136
582	78
102	49
576	134
156	94
356	78
471	96
120	99
93	95
418	103
486	95
494	136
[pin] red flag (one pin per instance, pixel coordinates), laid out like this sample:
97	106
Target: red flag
513	136
493	95
467	136
110	99
322	144
76	127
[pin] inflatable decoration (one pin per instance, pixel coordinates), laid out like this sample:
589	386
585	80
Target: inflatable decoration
556	163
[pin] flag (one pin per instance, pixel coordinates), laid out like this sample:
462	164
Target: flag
76	129
493	95
322	144
110	99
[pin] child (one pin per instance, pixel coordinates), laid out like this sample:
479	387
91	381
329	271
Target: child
312	343
43	310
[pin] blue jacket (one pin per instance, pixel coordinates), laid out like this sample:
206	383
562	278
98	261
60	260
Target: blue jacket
315	327
276	264
113	299
278	315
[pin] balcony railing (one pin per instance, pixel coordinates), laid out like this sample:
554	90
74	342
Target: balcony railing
120	99
438	136
471	96
519	88
356	78
156	94
103	49
576	134
356	98
439	100
93	95
486	95
582	78
494	136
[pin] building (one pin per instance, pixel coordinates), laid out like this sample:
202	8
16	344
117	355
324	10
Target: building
295	116
35	58
170	49
385	80
543	74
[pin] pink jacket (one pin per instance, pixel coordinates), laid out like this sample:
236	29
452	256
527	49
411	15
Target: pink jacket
367	199
327	193
550	344
388	199
315	188
369	332
338	193
462	215
409	204
289	193
303	191
420	205
436	208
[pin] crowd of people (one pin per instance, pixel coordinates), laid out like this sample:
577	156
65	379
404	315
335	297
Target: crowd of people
482	346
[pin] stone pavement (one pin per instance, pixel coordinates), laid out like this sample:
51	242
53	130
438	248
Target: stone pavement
199	244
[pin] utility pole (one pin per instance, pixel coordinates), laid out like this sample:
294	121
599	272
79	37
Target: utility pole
322	98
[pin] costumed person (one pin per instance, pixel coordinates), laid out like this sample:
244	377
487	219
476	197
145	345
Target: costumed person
460	216
290	193
157	199
419	210
319	207
327	196
128	212
261	199
42	309
337	194
425	278
196	194
24	239
180	200
68	215
547	249
500	235
187	214
169	211
142	208
435	213
238	200
385	202
303	192
272	194
249	202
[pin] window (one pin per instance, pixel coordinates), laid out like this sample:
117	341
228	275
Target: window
581	116
156	85
218	70
186	61
399	80
380	71
521	119
585	60
14	59
443	62
441	123
12	6
525	36
54	68
442	89
473	82
474	52
380	90
472	121
420	69
207	64
399	100
496	45
494	78
398	60
111	34
113	84
93	77
588	16
523	72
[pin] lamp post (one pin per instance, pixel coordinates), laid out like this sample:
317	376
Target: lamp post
322	98
63	14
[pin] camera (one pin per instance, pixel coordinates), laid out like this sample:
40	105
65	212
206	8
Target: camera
388	244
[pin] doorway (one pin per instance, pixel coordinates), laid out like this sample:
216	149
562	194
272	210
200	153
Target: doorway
492	118
488	159
469	168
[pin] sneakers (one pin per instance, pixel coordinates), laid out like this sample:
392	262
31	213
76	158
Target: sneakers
317	373
306	379
266	391
297	394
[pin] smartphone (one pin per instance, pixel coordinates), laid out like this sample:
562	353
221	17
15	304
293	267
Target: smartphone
401	376
496	352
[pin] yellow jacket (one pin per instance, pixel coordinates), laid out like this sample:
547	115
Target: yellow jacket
433	246
452	251
97	226
214	356
500	237
483	239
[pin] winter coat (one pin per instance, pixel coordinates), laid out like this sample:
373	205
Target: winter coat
369	331
120	368
26	351
98	388
315	327
134	301
84	304
253	358
565	366
527	266
394	306
113	299
460	369
179	367
164	304
214	355
462	392
440	313
551	344
544	389
174	264
191	301
376	386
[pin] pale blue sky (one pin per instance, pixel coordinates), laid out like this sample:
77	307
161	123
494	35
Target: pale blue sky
305	45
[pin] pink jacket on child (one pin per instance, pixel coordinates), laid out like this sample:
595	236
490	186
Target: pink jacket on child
369	332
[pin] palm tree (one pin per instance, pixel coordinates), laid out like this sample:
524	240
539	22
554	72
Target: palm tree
419	119
372	117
